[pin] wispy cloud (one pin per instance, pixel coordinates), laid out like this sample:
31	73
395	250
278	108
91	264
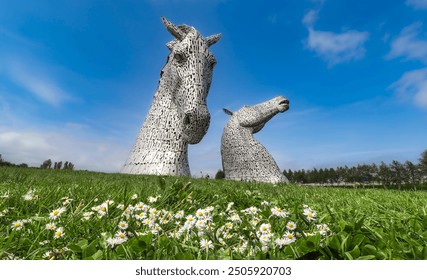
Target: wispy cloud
309	18
36	82
409	45
417	4
413	85
333	47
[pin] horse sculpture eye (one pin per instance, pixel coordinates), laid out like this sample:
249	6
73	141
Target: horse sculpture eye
179	58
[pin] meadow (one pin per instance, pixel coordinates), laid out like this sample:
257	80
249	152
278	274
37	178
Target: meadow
63	214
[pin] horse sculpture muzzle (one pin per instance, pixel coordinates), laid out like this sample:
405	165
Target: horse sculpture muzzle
196	124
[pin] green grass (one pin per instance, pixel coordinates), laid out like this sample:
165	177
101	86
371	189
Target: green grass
349	223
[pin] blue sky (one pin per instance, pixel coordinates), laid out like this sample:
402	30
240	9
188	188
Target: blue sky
77	78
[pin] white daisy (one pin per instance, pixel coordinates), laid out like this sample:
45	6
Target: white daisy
206	244
291	225
50	226
56	213
17	225
289	237
123	225
265	228
310	214
179	214
277	211
200	213
59	233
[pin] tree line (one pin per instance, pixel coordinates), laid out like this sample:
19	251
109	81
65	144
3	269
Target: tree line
394	175
7	163
47	164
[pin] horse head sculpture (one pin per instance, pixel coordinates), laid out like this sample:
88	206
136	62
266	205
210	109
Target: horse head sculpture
243	157
178	115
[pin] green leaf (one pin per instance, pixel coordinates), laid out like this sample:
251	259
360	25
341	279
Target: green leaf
359	223
355	253
75	248
345	243
82	243
348	255
98	255
90	249
368	249
424	253
357	240
334	243
367	257
184	256
146	238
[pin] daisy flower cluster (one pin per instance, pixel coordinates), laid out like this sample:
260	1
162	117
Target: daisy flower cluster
50	225
221	227
54	224
246	231
30	195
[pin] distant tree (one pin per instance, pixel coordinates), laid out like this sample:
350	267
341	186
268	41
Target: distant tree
397	173
289	174
46	164
59	165
333	176
423	165
300	177
220	174
384	174
413	173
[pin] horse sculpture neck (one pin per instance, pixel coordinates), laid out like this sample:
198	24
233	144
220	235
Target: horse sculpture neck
178	115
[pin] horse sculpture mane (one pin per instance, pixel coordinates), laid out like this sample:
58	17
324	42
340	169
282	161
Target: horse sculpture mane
243	157
178	115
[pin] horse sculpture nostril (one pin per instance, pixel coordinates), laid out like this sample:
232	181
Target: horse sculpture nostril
187	119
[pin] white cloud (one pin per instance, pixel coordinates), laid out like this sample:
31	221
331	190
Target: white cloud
409	45
417	4
413	84
310	18
333	47
85	151
337	48
36	82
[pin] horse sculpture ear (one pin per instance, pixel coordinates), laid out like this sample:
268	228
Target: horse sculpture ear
213	39
228	112
173	29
